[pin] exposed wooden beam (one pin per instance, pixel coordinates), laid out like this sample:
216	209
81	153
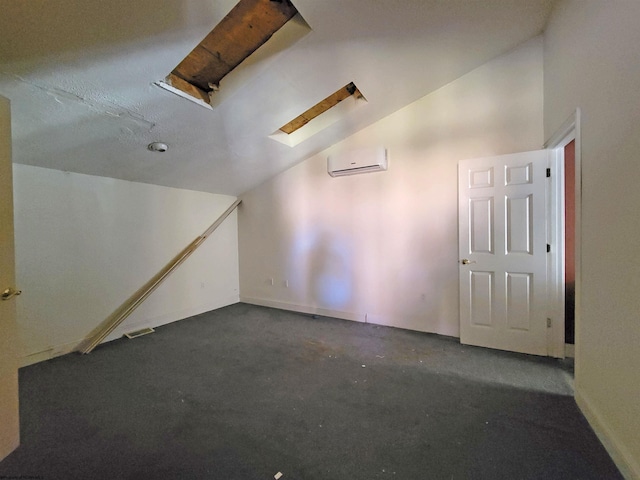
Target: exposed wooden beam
247	26
187	88
321	107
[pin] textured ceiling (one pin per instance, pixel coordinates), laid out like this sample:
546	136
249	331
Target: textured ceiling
81	78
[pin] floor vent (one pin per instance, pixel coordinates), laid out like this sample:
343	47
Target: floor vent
139	333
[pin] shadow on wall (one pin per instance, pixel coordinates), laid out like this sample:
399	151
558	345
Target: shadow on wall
324	272
381	246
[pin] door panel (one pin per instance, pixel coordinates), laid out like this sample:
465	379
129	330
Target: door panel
502	239
9	425
518	225
481	293
482	227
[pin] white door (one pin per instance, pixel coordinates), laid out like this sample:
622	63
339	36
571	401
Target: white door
9	425
503	249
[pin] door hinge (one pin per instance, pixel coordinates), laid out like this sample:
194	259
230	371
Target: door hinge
548	248
548	172
548	323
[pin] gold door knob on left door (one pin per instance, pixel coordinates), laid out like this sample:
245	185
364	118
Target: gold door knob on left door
10	293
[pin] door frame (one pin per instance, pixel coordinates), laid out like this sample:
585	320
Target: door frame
568	131
9	343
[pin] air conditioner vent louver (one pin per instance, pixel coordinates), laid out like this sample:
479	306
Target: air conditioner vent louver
362	160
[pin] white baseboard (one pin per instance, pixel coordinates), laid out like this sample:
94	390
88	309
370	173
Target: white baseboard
414	323
569	350
63	349
405	322
49	353
264	302
621	456
170	317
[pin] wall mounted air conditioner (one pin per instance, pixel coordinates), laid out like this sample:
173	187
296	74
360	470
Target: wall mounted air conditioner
361	160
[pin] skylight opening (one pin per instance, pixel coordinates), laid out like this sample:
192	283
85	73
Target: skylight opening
248	26
323	114
321	107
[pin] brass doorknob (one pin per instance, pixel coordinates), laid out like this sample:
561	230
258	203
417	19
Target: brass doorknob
466	261
10	293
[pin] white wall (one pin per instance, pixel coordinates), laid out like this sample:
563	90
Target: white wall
383	246
592	62
84	244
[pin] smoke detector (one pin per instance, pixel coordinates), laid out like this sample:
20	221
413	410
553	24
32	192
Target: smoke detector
158	147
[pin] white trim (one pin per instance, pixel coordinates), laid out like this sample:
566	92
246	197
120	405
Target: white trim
555	259
264	302
570	130
410	323
69	347
569	350
48	354
619	453
180	93
567	132
165	319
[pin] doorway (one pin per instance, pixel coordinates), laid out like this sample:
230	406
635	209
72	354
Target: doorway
564	228
569	151
551	308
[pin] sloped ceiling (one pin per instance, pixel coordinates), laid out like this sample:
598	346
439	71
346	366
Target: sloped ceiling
81	76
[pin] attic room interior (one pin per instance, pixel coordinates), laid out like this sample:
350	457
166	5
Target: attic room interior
334	323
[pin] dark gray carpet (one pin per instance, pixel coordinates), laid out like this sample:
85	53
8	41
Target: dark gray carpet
246	392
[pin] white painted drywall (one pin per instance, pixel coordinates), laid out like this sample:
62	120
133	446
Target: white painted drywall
383	246
81	80
84	244
592	62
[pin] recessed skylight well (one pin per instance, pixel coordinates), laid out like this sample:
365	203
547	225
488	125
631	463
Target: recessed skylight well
323	114
241	33
321	107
